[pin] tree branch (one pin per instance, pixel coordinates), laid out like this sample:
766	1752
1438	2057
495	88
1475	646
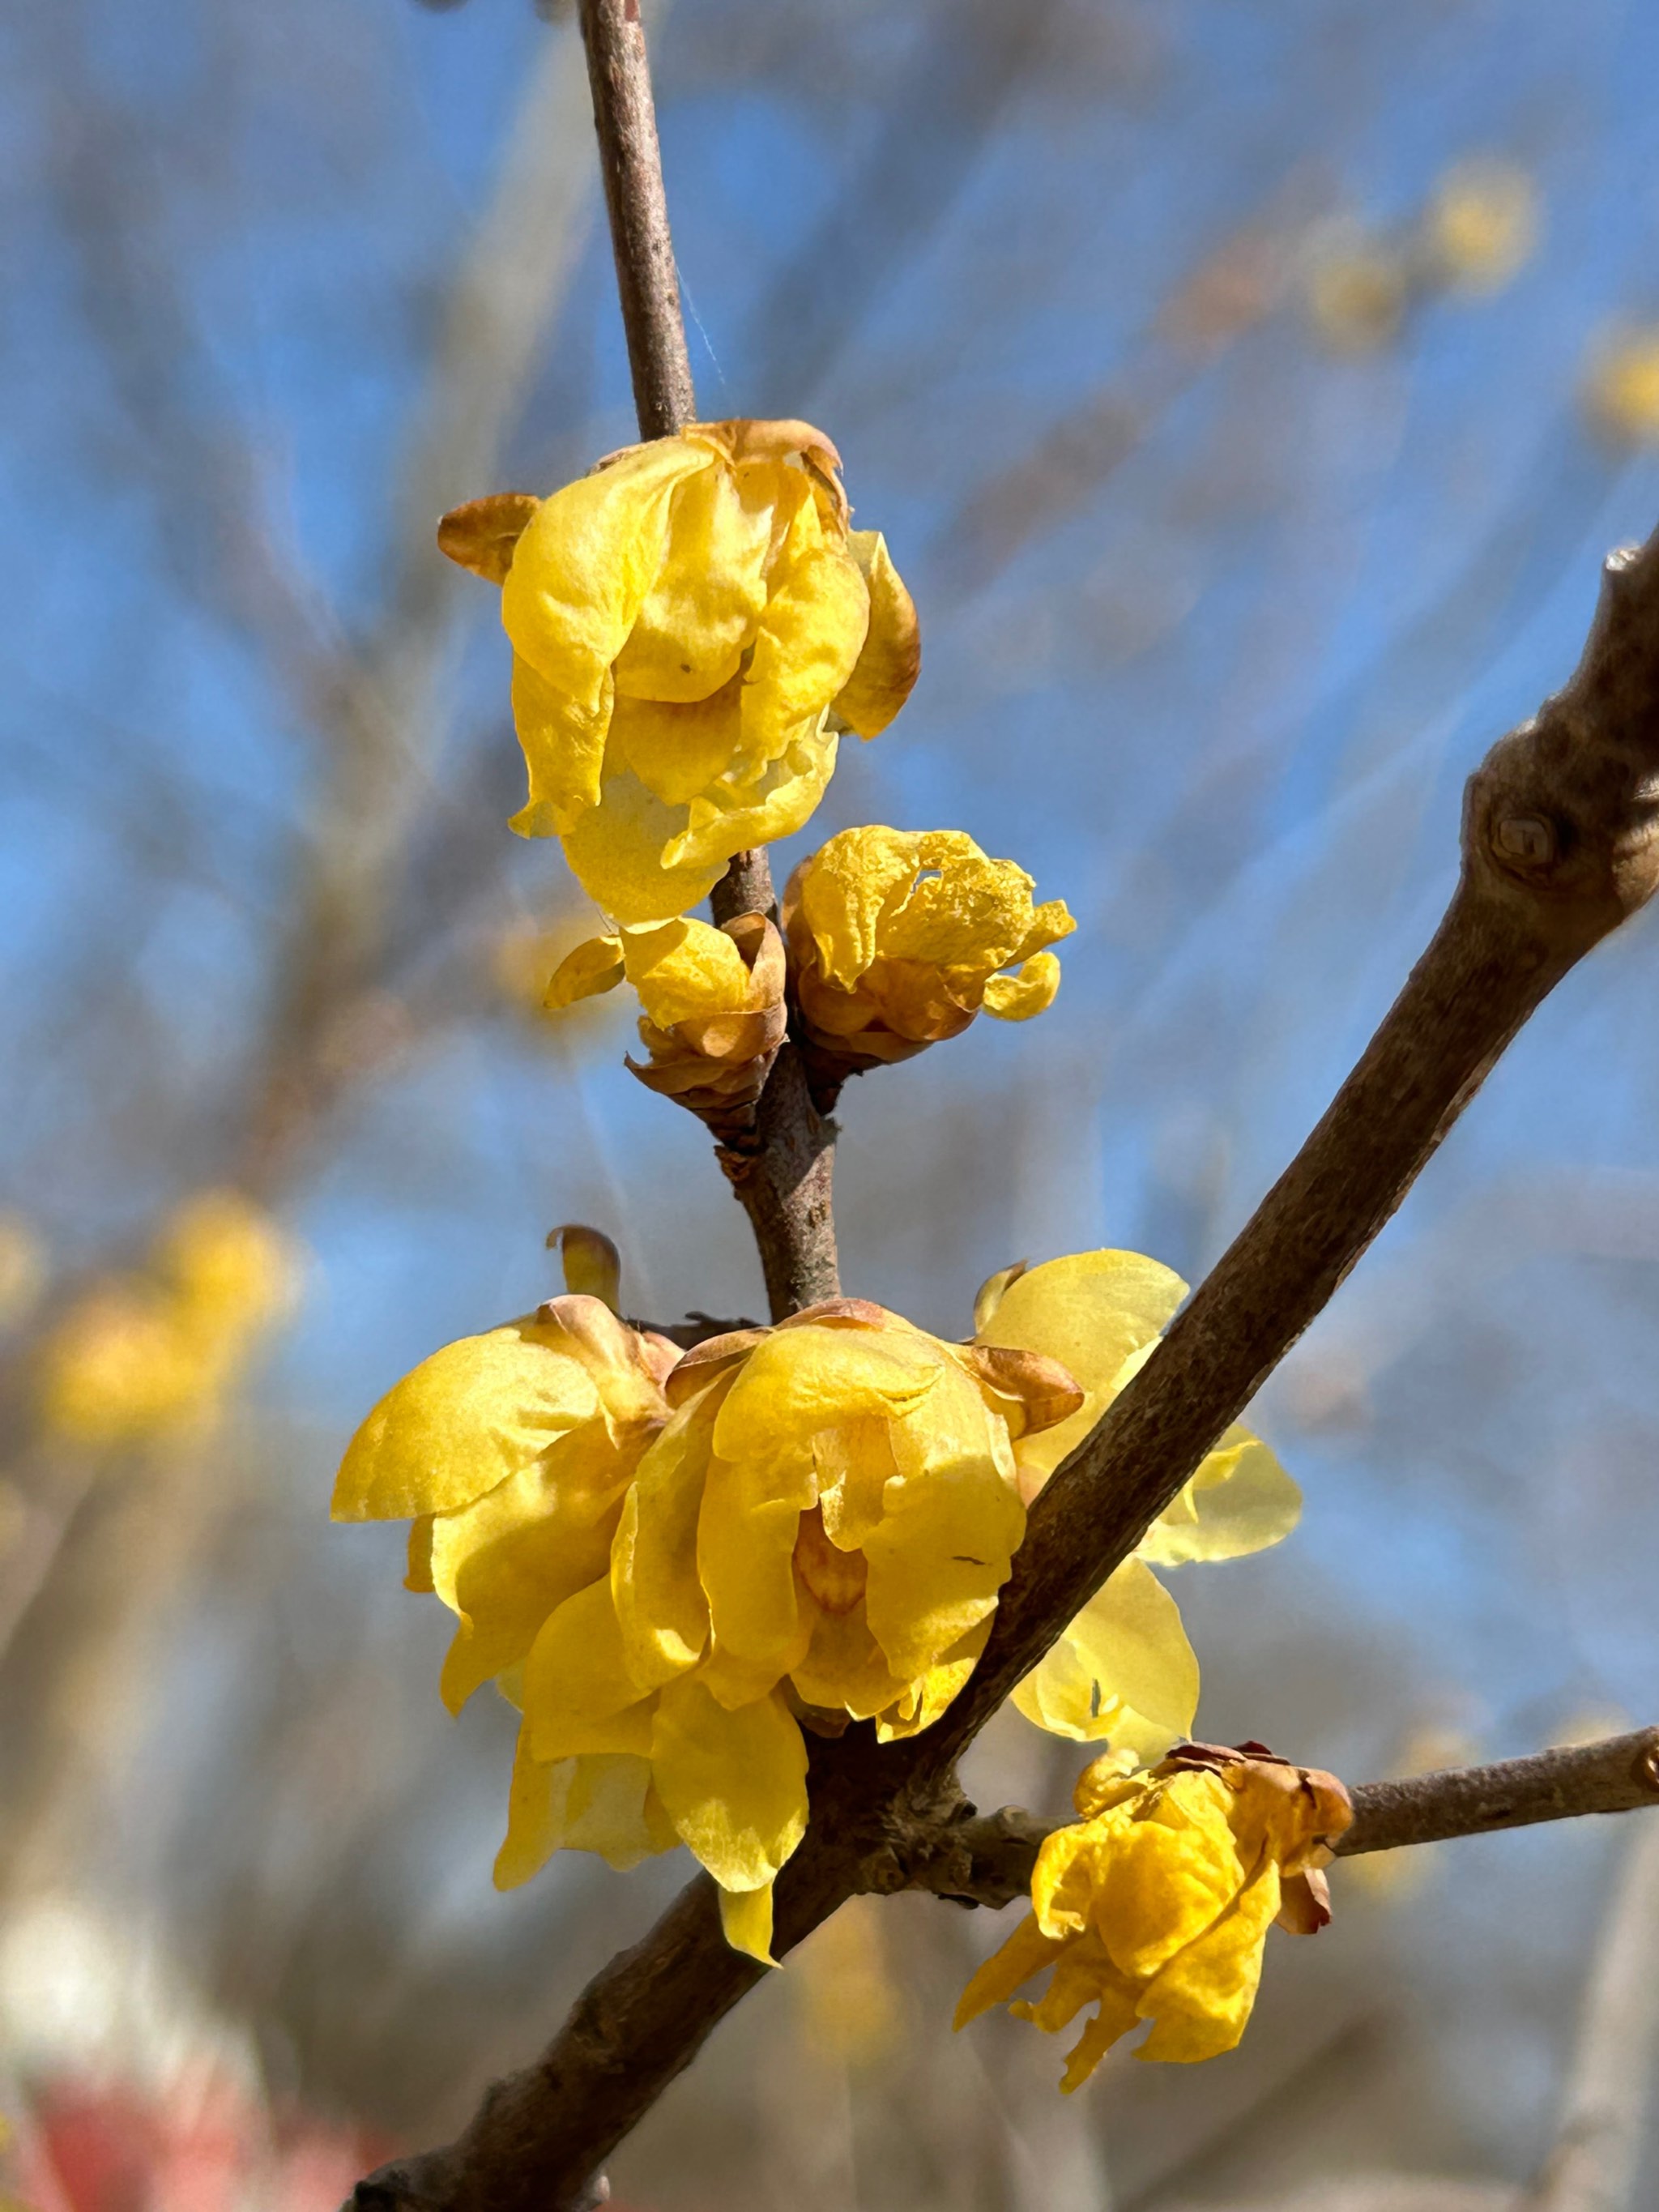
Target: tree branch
1559	845
988	1859
782	1173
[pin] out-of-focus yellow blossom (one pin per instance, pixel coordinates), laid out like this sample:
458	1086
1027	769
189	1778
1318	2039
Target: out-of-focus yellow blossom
1621	387
144	1356
510	1452
1357	292
693	625
522	957
896	939
1124	1673
713	1004
23	1269
1481	225
592	1263
818	1534
851	2002
1156	1905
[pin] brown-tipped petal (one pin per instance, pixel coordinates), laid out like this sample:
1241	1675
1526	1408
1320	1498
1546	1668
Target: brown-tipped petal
592	1263
1305	1906
1045	1392
482	535
741	439
660	1353
705	1360
861	1313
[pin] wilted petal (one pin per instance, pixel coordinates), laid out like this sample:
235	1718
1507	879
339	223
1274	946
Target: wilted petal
1030	990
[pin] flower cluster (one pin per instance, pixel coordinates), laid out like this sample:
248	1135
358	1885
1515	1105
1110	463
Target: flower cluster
156	1353
694	626
675	1565
1155	1906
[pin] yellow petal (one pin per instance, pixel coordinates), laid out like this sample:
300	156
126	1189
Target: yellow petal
535	1808
936	1687
988	1297
745	1550
734	1784
740	809
948	1531
1026	1952
704	605
887	667
800	1379
685	970
465	1419
661	1611
1241	1500
600	1803
563	744
844	1669
1092	1311
746	1921
973	915
809	638
1200	2002
1174	1870
678	752
1030	990
576	1682
855	1463
1115	2017
616	851
417	1574
507	1561
591	1263
581	572
594	966
1123	1671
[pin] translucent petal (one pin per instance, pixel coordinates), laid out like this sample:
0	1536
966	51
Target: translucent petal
678	751
887	667
1091	1311
746	1535
734	1784
685	971
948	1532
934	1688
563	744
617	849
746	1922
736	810
1028	1951
844	1669
1200	2002
1241	1500
601	1802
1123	1671
661	1611
706	602
1030	990
474	1413
855	1463
594	966
576	1676
809	638
798	1381
581	571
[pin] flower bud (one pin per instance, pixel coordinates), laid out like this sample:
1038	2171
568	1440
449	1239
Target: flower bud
896	939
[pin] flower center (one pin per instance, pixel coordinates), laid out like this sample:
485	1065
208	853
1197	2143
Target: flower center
836	1578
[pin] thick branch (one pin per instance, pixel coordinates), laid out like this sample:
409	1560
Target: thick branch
1559	845
987	1860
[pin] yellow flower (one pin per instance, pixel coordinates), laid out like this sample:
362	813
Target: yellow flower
693	625
897	937
1156	1905
818	1534
713	1011
155	1355
1124	1672
510	1452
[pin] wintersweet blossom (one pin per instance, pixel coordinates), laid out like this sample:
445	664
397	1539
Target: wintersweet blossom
817	1535
896	939
155	1352
693	625
1124	1673
711	1006
1156	1905
510	1453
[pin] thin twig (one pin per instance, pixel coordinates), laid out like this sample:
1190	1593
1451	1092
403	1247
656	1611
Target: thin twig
1559	845
989	1859
782	1172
